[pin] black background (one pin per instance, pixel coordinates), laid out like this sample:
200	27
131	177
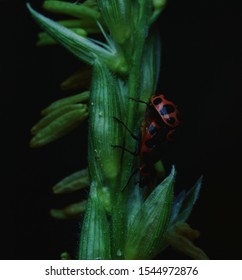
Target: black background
200	71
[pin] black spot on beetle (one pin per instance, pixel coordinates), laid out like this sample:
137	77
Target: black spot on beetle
152	129
157	101
150	143
171	120
167	109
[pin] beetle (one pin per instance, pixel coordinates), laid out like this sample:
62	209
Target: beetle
160	122
161	119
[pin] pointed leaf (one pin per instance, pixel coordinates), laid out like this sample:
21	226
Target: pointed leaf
72	9
151	221
58	128
44	39
187	202
76	181
54	115
70	100
104	160
177	205
81	47
72	211
135	202
95	235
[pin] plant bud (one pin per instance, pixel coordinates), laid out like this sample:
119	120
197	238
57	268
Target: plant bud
76	10
72	211
45	39
135	201
95	235
158	7
184	203
58	128
64	255
81	22
158	4
117	16
54	115
70	100
180	237
76	181
104	131
150	222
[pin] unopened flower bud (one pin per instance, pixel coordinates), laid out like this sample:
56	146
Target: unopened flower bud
70	100
104	131
95	236
184	203
76	10
117	16
59	127
150	222
44	39
55	115
158	4
76	181
180	237
72	211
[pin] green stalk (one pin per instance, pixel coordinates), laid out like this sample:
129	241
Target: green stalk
128	162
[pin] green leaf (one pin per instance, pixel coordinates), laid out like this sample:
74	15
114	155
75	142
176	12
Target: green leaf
95	235
151	221
177	204
135	201
104	131
185	202
81	47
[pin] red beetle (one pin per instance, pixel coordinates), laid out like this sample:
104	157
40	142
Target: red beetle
162	117
161	120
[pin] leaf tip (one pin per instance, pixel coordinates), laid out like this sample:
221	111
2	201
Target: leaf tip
31	10
173	171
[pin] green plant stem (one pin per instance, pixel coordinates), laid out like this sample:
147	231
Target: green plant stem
118	229
128	162
133	92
